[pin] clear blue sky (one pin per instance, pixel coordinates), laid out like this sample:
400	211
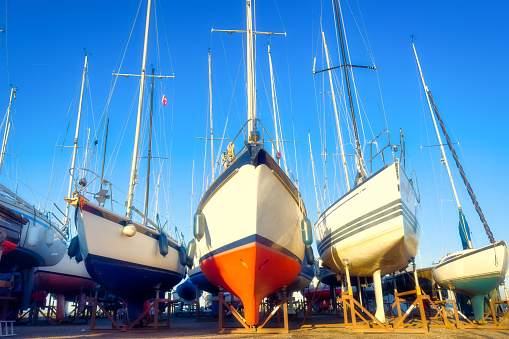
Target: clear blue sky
463	48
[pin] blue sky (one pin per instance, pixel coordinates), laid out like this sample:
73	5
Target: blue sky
462	46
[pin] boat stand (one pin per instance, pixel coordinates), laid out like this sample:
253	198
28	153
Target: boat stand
274	309
139	321
464	322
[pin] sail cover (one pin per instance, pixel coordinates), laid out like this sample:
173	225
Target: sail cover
464	231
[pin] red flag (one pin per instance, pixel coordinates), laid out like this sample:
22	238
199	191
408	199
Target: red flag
165	102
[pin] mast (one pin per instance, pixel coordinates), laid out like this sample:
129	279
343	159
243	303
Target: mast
132	180
251	102
314	176
211	123
361	173
149	152
463	225
336	115
7	127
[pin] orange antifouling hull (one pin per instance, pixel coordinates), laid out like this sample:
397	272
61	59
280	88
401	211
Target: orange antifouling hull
251	272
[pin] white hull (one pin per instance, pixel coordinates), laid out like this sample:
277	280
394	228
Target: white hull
473	271
252	244
32	250
131	267
253	202
374	226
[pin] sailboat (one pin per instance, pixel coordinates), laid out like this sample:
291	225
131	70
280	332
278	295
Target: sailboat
373	229
41	242
248	223
131	259
471	272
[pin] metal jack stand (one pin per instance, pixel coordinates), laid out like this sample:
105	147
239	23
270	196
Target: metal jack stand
264	319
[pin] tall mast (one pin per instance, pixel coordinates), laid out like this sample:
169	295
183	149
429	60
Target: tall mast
427	92
336	115
132	180
7	127
211	124
149	152
314	176
361	173
251	101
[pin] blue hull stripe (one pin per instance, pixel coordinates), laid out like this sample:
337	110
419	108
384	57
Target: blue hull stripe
248	240
368	220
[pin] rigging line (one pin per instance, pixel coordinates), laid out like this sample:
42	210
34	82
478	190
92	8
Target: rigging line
320	130
443	238
167	44
115	77
230	106
6	46
370	53
280	18
54	169
116	148
21	163
230	77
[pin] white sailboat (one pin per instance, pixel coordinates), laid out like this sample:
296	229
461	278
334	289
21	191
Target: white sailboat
41	242
472	272
131	259
248	223
373	228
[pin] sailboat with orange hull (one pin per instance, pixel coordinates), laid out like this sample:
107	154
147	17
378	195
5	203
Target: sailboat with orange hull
248	224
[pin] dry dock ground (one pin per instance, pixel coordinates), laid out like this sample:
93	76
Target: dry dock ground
189	328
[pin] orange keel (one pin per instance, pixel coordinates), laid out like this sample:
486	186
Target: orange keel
251	272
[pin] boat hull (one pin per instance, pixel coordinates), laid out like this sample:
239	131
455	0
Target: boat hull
253	240
474	272
68	277
131	267
33	252
374	226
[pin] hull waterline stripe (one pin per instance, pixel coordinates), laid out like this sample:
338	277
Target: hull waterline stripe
248	240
